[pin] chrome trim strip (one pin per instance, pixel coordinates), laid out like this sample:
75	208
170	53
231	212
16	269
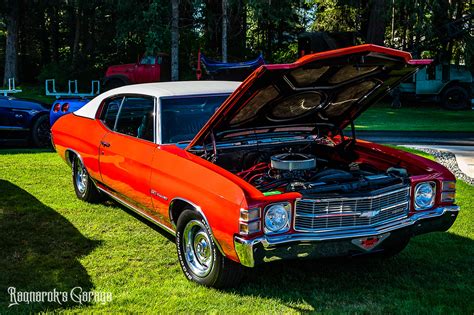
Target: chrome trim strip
13	128
357	198
138	211
244	247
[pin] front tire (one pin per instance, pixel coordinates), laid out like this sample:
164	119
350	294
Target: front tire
199	257
83	185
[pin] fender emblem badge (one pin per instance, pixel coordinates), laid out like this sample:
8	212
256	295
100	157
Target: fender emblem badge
157	194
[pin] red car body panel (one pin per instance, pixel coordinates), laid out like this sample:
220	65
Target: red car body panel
151	176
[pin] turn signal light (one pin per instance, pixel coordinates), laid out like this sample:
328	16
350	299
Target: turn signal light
250	221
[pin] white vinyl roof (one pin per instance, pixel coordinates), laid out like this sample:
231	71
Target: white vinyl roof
161	89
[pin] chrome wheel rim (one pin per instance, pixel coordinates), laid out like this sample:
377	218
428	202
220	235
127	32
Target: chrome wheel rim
197	248
81	177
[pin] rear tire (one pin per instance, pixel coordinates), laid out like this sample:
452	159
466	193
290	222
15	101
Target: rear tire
456	98
113	84
199	257
83	184
40	132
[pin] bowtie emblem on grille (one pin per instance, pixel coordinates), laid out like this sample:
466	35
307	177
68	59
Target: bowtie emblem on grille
369	214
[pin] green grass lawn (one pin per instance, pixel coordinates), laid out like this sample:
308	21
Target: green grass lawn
49	239
412	117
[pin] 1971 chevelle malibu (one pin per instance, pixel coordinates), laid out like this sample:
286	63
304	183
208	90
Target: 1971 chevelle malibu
268	169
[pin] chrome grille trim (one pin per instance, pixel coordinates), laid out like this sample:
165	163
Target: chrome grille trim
317	215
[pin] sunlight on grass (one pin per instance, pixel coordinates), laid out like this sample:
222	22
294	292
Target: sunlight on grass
49	239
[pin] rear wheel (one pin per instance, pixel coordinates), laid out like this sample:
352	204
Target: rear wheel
40	132
113	83
83	185
199	257
456	98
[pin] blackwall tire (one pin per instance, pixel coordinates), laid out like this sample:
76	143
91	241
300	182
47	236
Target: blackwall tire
456	98
199	257
83	185
113	84
40	132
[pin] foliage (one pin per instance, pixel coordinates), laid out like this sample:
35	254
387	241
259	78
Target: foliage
85	37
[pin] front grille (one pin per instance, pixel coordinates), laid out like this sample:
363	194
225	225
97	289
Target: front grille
323	214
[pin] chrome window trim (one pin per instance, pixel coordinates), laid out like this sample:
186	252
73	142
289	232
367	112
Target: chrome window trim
159	110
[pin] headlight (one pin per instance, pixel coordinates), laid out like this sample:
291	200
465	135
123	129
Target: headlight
425	194
277	218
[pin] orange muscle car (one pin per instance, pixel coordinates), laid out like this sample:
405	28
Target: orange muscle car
249	173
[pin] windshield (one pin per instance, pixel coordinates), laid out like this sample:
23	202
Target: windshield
183	117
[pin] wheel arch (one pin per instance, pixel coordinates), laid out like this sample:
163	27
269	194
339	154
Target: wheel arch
70	154
178	205
120	77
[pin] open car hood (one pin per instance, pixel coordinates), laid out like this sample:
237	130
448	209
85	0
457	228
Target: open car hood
325	91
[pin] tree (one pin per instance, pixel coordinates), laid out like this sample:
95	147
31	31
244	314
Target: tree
174	40
11	47
377	22
225	23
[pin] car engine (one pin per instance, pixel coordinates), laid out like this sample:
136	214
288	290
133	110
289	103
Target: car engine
309	175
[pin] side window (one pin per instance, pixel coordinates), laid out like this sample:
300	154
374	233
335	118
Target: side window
148	60
136	117
110	110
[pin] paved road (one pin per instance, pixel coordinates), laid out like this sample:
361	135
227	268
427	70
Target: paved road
419	137
464	155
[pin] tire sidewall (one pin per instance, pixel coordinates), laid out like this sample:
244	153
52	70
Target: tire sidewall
34	132
459	89
81	196
211	278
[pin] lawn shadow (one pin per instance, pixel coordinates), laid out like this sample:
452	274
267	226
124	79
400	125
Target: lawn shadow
39	250
433	274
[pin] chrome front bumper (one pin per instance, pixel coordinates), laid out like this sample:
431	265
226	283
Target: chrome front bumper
300	245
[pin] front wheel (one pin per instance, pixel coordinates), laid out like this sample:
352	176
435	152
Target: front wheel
199	257
83	185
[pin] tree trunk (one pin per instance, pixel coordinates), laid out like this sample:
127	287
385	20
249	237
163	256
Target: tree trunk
174	40
77	34
54	31
224	30
377	22
11	56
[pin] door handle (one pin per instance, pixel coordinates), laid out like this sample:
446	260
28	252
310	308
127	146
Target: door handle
105	144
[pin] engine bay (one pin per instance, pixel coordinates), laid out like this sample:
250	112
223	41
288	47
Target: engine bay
313	170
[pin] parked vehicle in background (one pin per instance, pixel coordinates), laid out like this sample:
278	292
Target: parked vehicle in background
261	171
450	85
23	120
147	69
70	101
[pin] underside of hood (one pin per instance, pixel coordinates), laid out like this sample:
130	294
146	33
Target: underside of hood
326	91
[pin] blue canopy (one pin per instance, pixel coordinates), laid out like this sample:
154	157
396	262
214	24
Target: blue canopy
213	66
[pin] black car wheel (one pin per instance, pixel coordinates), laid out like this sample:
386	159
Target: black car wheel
40	132
113	83
83	185
456	98
199	257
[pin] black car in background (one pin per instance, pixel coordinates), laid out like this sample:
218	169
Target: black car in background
23	120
